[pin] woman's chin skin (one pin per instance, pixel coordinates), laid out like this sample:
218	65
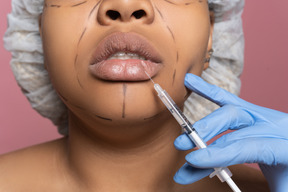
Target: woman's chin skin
98	69
129	103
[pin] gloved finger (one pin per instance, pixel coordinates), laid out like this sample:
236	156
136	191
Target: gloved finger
183	142
267	151
211	92
259	130
222	119
228	117
188	174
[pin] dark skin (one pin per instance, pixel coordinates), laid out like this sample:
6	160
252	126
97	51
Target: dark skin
45	167
112	144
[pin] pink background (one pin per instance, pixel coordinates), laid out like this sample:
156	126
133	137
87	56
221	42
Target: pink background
264	79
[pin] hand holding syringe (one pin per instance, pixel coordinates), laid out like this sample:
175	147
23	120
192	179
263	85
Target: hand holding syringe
223	173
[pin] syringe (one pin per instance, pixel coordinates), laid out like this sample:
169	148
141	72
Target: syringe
223	173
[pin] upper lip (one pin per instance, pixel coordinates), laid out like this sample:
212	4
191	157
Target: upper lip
125	42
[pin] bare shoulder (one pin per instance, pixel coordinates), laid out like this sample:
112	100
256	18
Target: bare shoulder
27	167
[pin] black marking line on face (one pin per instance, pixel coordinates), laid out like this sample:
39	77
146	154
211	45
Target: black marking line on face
75	106
200	1
55	6
161	15
104	118
62	97
172	35
76	57
79	82
98	116
174	75
83	33
82	109
79	4
78	107
93	9
124	100
170	2
149	118
171	32
75	60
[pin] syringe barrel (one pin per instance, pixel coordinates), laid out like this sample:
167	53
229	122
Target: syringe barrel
223	173
173	108
197	140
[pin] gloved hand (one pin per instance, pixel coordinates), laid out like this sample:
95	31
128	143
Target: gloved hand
260	137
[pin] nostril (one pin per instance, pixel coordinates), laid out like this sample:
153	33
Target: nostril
113	14
139	14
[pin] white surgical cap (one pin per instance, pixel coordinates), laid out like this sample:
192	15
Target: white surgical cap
22	38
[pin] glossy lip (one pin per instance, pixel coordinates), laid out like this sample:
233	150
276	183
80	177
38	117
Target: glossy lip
125	70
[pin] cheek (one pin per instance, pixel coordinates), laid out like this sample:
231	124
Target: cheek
60	33
191	30
192	46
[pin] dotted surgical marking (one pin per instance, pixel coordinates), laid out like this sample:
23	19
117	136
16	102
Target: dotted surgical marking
171	32
79	4
84	31
160	13
104	118
94	8
64	98
55	6
149	118
124	100
75	60
170	2
79	82
174	75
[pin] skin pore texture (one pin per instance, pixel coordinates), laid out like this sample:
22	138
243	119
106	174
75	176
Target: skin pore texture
120	134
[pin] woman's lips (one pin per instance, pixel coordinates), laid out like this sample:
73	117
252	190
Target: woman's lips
124	70
105	65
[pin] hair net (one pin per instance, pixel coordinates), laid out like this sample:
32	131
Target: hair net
22	38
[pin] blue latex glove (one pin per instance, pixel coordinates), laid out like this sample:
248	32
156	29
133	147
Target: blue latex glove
260	137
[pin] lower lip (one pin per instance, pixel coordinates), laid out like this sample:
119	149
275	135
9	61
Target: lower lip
124	70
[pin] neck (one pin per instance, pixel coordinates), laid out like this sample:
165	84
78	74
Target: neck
125	157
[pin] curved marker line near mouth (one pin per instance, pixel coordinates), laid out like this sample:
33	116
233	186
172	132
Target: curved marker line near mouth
79	4
170	2
104	118
174	75
82	35
152	117
124	100
94	9
60	95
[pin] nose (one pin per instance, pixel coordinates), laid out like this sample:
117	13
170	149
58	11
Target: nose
125	11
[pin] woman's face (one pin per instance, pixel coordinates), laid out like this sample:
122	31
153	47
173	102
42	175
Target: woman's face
97	52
